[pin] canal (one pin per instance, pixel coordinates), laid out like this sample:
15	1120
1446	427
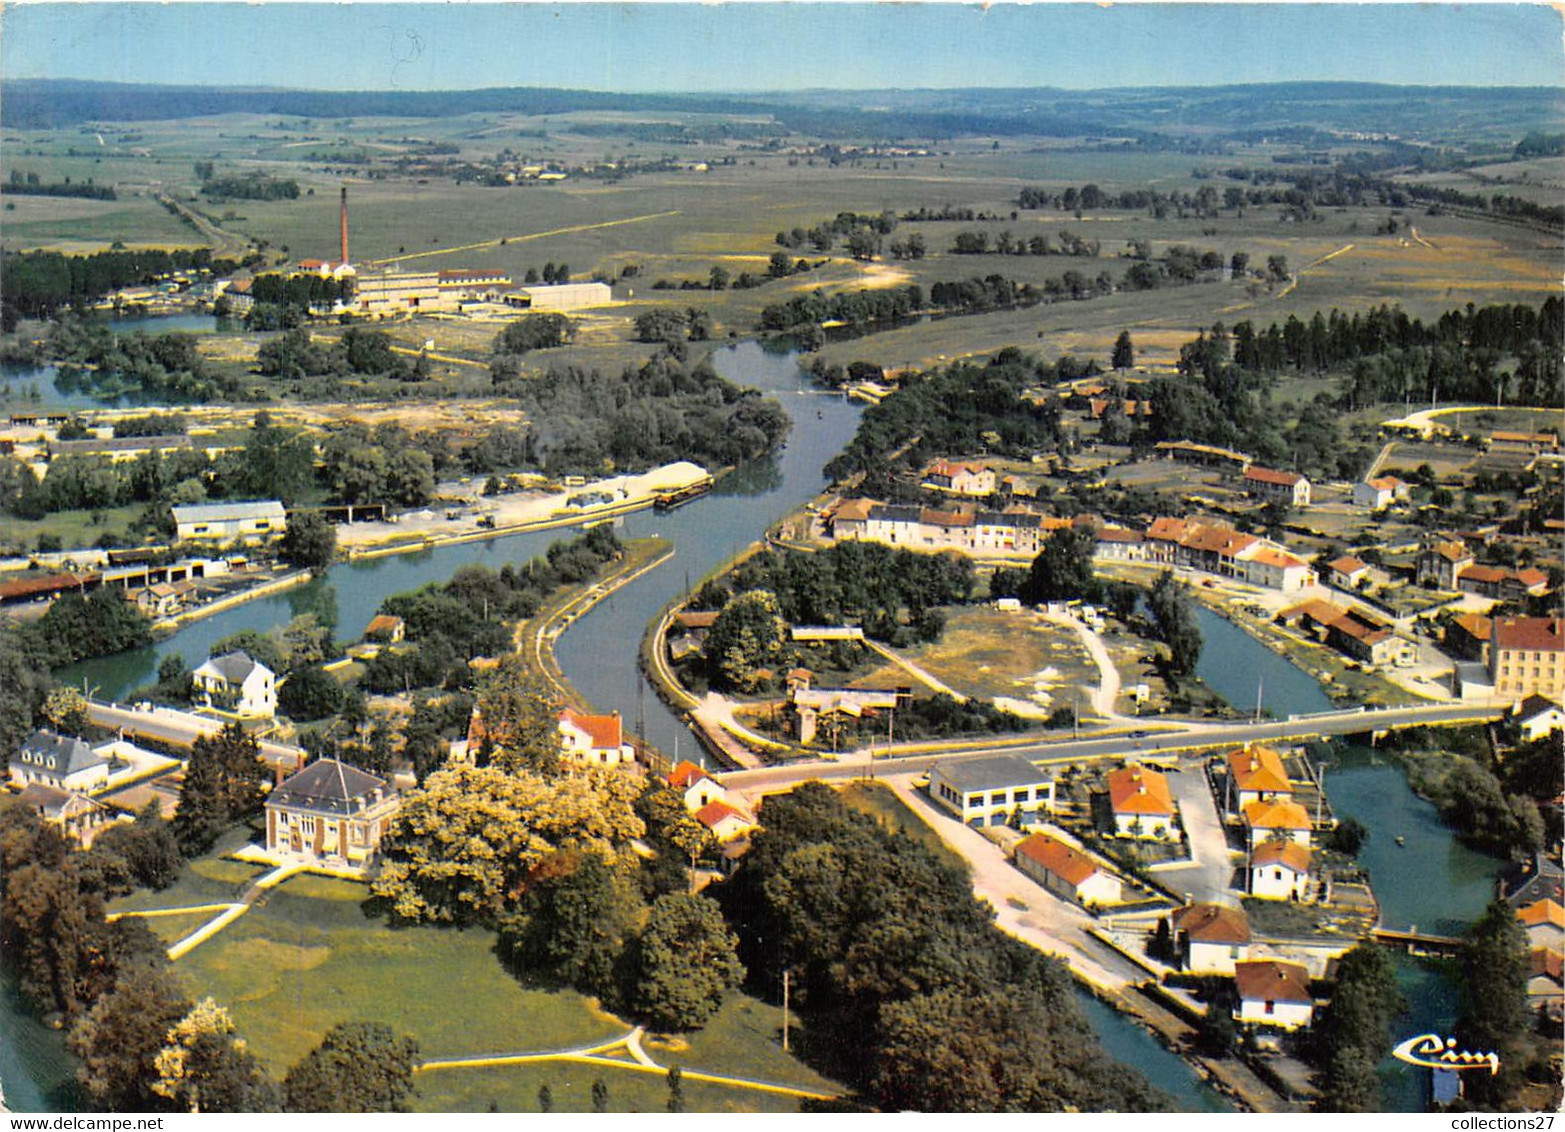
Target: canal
599	656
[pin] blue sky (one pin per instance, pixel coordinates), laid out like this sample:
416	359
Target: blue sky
763	46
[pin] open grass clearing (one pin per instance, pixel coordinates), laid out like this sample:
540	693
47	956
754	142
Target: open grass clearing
205	880
514	1088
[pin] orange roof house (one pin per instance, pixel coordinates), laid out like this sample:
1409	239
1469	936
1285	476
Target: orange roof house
1062	860
1257	772
1288	854
1212	923
1542	912
1139	790
1280	817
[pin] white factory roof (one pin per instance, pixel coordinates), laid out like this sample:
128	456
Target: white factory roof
228	512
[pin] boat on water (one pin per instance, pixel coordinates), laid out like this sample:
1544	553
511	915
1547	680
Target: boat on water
1401	841
668	500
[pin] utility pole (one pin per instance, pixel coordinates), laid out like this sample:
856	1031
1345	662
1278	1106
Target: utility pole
786	974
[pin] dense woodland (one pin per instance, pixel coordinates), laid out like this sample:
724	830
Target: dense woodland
37	284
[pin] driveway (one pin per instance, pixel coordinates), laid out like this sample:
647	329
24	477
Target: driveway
1208	878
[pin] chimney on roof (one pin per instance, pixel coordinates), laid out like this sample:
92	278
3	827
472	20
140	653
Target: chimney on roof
344	225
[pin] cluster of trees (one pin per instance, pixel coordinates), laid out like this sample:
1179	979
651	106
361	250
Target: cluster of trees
37	284
892	593
946	212
96	360
977	243
246	186
1496	966
856	309
1353	1034
590	422
30	184
534	332
1091	198
910	993
471	613
377	465
1174	622
76	627
542	853
861	231
552	273
673	327
285	301
294	355
964	407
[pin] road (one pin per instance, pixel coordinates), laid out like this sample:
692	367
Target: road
181	728
1107	694
1193	736
1207	877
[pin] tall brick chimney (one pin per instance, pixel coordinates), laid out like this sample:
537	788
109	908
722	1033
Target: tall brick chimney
344	224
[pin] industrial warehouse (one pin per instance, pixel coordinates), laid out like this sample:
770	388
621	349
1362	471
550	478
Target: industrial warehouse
384	292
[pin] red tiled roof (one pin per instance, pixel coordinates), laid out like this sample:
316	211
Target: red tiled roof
951	468
1065	862
696	619
46	584
603	731
1280	813
1269	980
1386	483
686	775
1474	624
715	811
1269	475
1347	564
1139	790
946	518
1212	923
1119	534
1353	626
1277	559
1538	634
1531	576
382	623
1484	575
1289	854
1168	530
1549	963
1452	551
1317	610
854	510
1219	540
1258	768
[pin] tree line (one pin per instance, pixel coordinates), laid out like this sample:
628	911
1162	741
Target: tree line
36	284
248	186
32	185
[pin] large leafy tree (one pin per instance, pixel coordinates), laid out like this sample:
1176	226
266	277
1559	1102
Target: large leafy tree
202	1067
1062	571
1173	618
120	1038
579	913
310	541
358	1067
1494	985
224	777
310	693
1354	1031
462	845
519	720
686	962
748	634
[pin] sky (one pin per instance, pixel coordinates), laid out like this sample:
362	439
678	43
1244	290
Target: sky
772	46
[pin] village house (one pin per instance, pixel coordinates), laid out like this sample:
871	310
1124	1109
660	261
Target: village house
329	814
1281	818
1546	981
1140	802
1280	870
1121	544
1216	550
1366	640
259	521
385	629
1527	657
1537	716
1441	564
1348	572
1467	636
1539	879
727	822
1067	872
1164	538
163	599
1273	993
695	786
1544	921
234	682
597	740
987	791
811	706
1277	570
1013	532
1379	493
959	478
1501	583
1211	938
74	814
1256	774
64	762
1277	487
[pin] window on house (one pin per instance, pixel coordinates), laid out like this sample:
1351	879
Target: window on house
1271	1007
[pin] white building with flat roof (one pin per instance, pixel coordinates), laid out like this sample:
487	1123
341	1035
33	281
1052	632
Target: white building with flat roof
987	790
255	521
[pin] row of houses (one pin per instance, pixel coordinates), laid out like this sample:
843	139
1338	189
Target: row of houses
1521	658
1351	631
1450	566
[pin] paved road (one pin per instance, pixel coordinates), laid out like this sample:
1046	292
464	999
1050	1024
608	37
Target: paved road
1207	879
1193	736
181	728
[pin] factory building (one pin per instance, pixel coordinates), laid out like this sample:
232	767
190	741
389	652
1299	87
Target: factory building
559	296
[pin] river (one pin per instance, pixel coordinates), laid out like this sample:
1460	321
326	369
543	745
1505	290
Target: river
19	383
599	656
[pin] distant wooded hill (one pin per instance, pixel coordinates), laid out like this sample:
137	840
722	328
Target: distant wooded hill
1297	110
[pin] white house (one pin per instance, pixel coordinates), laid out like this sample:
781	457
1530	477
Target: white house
1277	486
1277	570
1280	819
1256	774
1066	871
1141	802
987	790
1273	993
1379	493
1348	572
1537	716
234	682
695	786
598	740
64	762
75	815
1211	937
258	521
1280	870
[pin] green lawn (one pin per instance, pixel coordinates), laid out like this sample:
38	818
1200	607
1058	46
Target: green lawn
514	1088
879	802
206	880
